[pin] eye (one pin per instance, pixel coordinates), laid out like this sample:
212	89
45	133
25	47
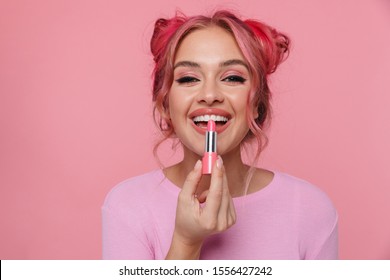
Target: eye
187	80
234	79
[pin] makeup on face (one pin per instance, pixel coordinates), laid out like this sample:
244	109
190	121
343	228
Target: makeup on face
210	152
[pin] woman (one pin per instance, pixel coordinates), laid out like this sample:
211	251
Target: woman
216	67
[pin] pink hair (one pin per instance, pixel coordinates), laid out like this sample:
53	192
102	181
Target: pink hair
263	47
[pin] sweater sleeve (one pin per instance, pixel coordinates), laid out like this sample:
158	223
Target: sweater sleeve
123	236
329	248
318	222
126	221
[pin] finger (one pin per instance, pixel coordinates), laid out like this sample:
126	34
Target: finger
223	214
214	197
192	180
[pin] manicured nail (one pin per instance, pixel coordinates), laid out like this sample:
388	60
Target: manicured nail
197	165
219	162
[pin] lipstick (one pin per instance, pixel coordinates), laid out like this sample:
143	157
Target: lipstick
210	151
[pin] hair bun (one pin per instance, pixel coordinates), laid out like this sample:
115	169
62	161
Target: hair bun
164	29
155	42
274	44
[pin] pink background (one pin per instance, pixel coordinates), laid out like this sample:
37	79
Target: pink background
75	114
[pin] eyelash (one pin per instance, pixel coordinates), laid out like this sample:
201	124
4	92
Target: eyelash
230	79
235	79
187	80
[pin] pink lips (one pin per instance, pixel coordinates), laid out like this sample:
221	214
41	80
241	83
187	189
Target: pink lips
210	111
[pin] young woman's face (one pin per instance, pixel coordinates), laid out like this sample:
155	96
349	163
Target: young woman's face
211	77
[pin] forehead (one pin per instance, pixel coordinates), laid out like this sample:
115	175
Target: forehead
209	45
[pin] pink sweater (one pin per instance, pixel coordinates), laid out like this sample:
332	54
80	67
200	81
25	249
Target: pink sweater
288	219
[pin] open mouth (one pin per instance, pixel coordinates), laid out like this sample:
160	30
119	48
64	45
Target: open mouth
201	121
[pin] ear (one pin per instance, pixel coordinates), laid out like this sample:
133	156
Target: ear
165	118
166	113
255	112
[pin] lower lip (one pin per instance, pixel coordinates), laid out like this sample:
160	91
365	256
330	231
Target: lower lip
218	129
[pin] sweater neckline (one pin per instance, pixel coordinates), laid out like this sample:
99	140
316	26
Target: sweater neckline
263	192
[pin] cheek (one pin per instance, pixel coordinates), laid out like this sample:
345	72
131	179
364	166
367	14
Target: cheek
179	103
172	100
239	103
177	111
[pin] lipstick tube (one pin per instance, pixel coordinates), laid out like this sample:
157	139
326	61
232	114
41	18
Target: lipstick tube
210	152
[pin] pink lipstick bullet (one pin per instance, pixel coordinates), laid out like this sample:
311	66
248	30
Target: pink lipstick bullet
210	152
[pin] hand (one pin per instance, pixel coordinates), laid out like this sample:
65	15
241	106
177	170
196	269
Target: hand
194	222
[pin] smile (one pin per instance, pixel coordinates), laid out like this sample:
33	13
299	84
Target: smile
200	118
205	118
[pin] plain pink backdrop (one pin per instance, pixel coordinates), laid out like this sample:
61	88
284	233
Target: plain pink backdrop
75	114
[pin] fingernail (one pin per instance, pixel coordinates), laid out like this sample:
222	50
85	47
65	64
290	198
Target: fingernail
197	165
219	162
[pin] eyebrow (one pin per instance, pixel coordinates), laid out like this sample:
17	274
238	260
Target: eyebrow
233	62
187	63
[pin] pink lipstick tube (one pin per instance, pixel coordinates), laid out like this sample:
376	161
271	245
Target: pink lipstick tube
210	152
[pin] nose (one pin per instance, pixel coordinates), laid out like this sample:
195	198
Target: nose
210	93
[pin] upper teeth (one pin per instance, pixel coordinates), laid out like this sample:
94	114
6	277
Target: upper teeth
206	118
